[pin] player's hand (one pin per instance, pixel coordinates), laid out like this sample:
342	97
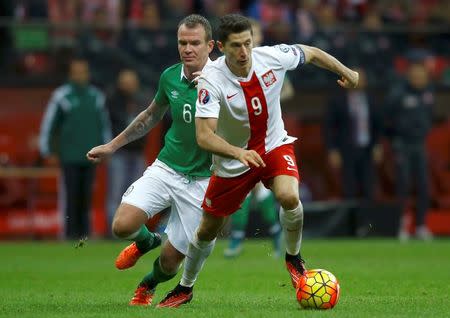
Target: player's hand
349	80
99	153
198	75
250	158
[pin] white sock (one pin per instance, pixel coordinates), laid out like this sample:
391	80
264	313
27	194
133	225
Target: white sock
292	223
198	252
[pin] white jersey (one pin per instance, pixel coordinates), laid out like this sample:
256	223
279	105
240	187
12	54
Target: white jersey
248	109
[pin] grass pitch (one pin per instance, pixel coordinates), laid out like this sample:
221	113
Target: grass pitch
379	278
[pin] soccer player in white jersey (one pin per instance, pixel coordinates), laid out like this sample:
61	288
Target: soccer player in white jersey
238	119
180	175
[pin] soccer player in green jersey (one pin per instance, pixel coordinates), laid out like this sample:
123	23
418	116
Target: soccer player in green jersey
179	176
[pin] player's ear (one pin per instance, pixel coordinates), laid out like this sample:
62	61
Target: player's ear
220	46
210	46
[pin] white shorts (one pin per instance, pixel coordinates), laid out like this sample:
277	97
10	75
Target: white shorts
161	187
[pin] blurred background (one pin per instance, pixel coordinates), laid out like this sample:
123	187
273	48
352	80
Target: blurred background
374	161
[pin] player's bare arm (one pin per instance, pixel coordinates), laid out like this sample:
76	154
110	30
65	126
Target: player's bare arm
208	140
314	55
138	128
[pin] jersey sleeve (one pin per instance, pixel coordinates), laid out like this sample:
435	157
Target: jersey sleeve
161	96
50	123
208	101
289	56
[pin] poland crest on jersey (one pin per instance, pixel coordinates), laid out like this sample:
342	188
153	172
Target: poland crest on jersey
269	78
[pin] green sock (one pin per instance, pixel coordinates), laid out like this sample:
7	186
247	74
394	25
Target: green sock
239	219
144	239
156	276
268	210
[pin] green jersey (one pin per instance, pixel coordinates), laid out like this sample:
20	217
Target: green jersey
181	151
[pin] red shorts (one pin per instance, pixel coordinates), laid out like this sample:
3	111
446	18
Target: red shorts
224	196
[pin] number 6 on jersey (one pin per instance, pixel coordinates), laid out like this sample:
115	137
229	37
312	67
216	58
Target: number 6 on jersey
187	115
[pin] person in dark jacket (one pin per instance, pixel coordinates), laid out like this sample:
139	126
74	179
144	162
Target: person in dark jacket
409	118
75	120
128	163
352	132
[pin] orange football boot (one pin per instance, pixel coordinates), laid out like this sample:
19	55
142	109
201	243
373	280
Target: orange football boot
142	296
128	257
130	254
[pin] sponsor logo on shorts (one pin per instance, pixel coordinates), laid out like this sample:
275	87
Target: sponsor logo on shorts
208	202
130	188
203	96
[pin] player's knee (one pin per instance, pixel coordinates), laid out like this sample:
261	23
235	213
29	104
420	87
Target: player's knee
121	228
288	200
209	228
205	235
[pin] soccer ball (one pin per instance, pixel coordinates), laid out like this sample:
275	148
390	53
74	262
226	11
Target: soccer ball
318	289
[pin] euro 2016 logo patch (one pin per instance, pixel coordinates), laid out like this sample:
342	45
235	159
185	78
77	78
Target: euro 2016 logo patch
203	96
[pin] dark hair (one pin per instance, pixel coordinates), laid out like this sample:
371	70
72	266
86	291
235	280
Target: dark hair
191	21
232	23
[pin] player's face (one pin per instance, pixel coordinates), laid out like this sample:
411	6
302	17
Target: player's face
193	47
418	76
79	72
238	52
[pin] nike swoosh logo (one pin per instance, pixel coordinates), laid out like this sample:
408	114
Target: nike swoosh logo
231	96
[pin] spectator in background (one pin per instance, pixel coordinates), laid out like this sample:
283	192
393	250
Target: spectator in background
275	17
146	41
409	118
75	120
97	42
175	10
30	9
329	37
63	12
215	9
372	47
128	164
352	132
110	8
6	44
305	20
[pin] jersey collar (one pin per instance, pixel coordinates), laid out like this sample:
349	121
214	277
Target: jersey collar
182	70
232	76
